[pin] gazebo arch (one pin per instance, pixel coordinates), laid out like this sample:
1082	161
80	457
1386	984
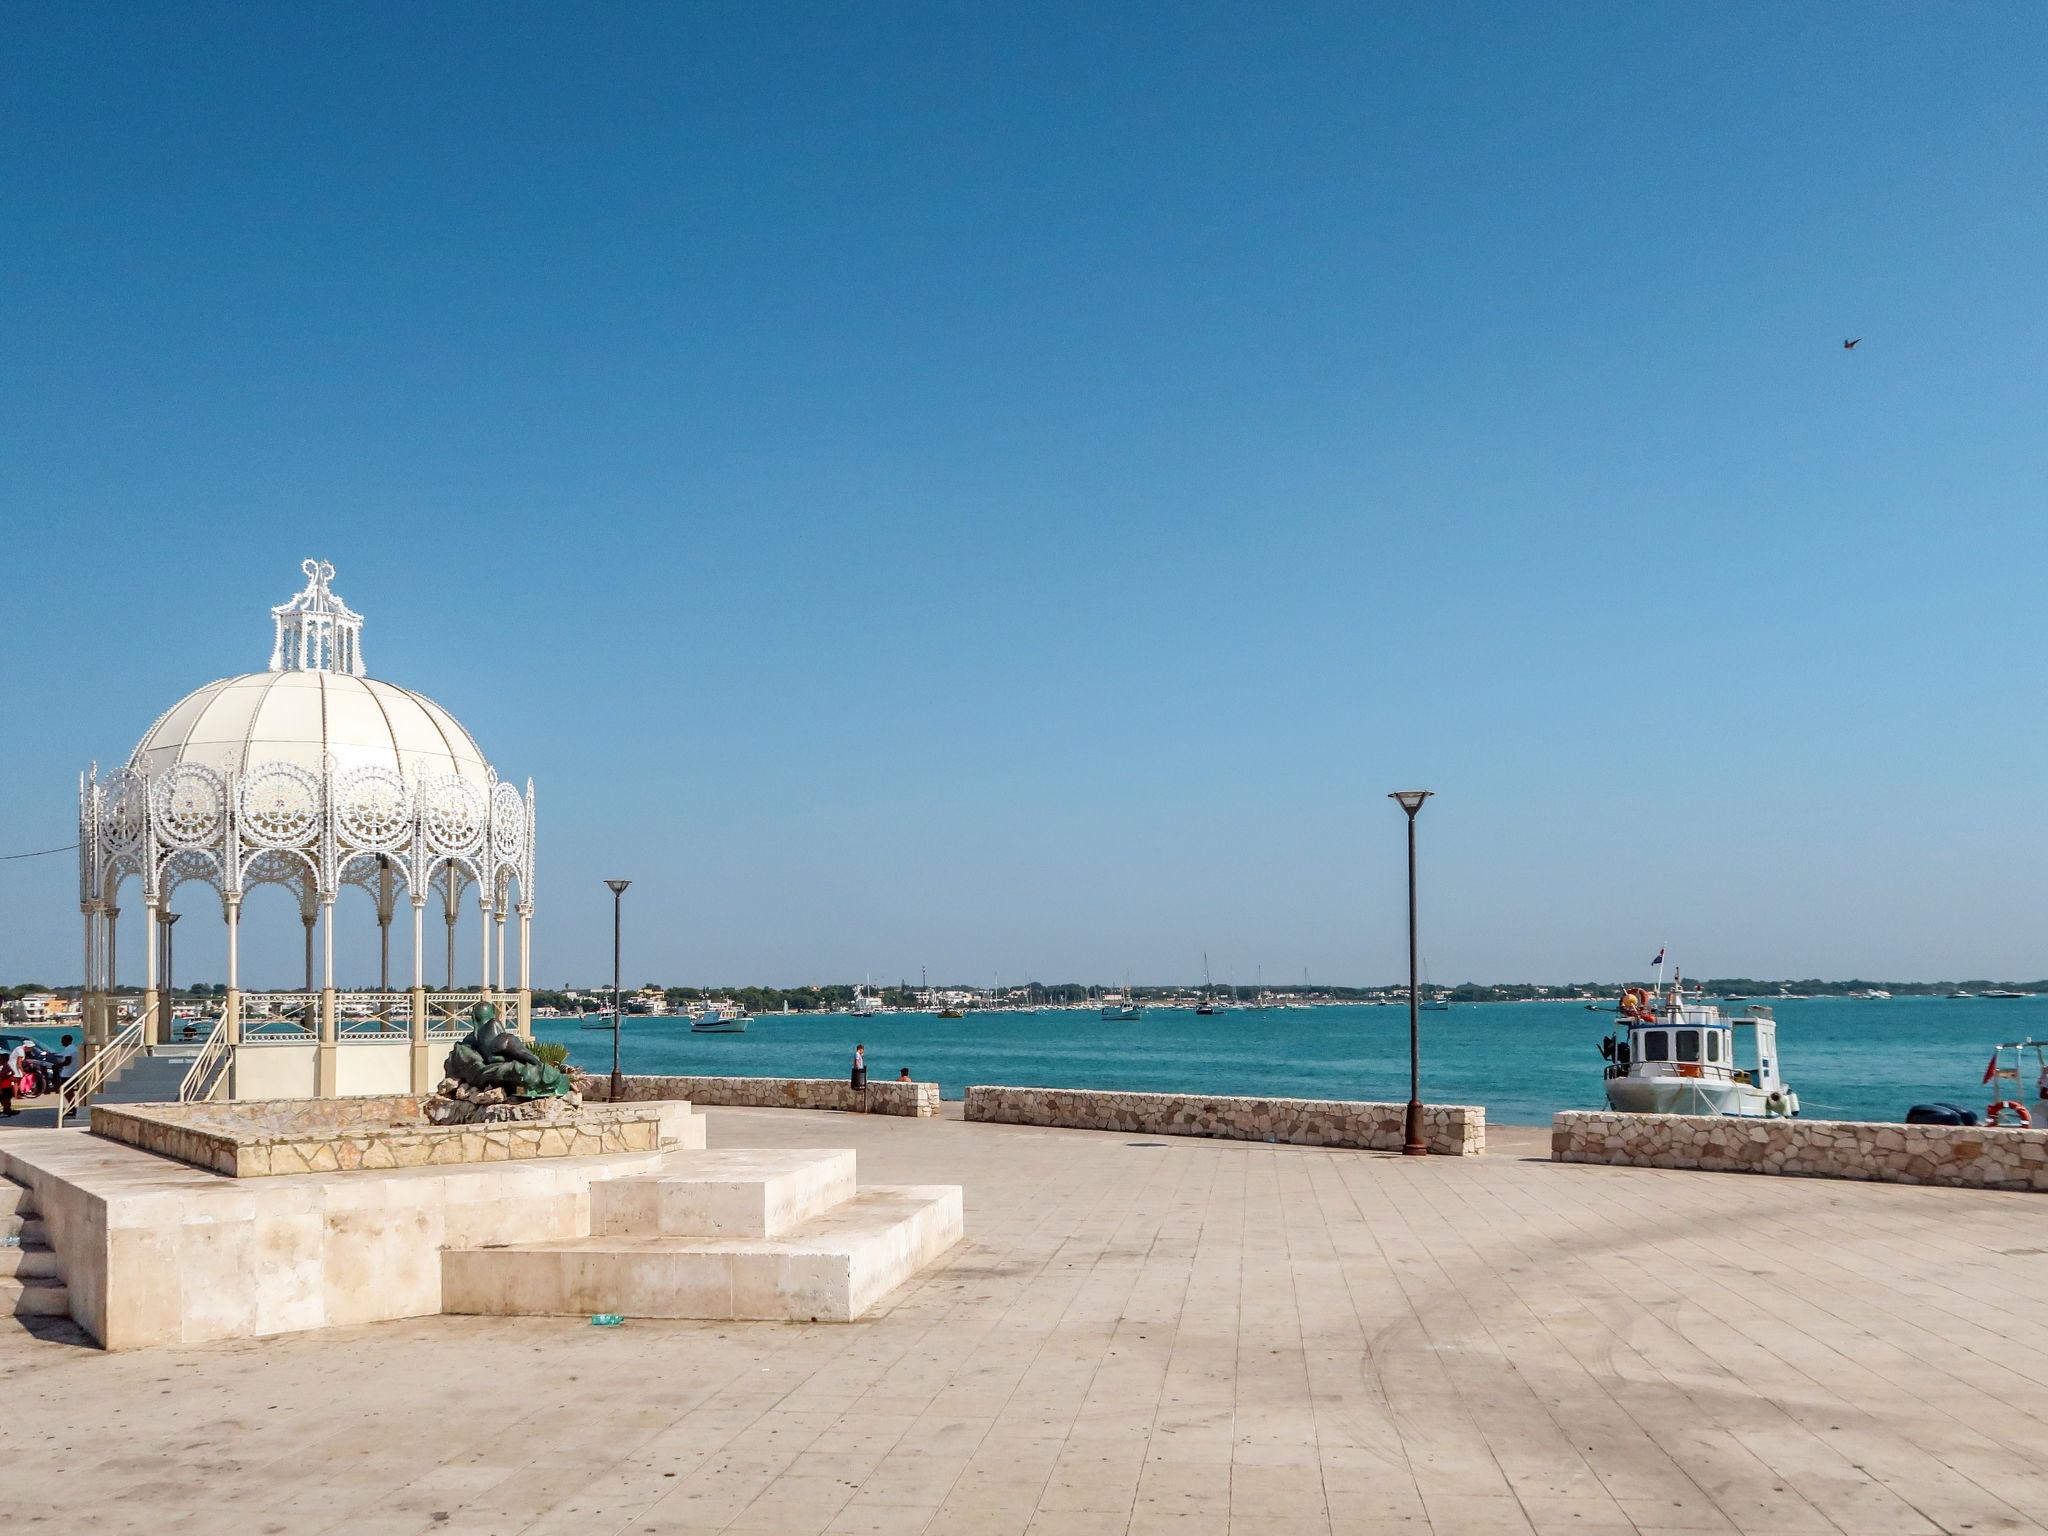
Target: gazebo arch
314	776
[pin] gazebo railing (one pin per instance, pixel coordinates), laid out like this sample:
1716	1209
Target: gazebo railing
374	1013
208	1072
279	1016
105	1065
448	1012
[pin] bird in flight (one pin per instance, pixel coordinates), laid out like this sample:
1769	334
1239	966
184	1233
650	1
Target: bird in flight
1848	344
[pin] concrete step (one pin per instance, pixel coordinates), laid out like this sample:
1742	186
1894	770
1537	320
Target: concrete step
740	1192
28	1228
21	1263
831	1268
16	1199
34	1296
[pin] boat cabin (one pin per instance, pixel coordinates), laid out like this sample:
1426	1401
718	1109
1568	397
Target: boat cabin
1690	1040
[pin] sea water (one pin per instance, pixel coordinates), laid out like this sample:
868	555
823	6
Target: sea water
1848	1059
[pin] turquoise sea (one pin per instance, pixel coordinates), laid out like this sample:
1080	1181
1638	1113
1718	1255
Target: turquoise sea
1849	1059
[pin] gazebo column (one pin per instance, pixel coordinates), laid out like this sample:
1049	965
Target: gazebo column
110	1009
231	1015
502	988
309	918
484	922
385	903
327	1048
525	970
422	1060
451	944
88	993
152	1026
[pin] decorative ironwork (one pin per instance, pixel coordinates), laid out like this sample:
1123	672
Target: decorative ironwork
452	814
124	809
280	806
189	805
373	808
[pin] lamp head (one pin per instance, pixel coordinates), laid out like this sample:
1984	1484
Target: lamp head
1411	799
618	886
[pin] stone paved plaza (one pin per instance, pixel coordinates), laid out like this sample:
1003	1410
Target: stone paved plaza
1150	1336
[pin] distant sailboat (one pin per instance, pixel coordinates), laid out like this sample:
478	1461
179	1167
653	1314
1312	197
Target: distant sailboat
1207	1003
1432	1002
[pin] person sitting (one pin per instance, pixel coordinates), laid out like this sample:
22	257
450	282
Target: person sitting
903	1076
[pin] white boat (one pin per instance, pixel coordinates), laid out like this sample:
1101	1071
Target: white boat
1668	1056
601	1020
866	1000
720	1018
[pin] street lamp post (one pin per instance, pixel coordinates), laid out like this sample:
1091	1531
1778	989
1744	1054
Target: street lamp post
1410	800
618	1014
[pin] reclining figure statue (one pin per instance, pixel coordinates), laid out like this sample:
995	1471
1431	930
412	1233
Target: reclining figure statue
490	1056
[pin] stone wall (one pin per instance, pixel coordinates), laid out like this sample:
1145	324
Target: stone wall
258	1139
888	1097
1454	1130
1966	1156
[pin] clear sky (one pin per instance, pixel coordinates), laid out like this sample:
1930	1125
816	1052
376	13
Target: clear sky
1009	489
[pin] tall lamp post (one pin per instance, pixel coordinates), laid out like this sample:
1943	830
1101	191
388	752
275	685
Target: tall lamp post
1410	800
618	1015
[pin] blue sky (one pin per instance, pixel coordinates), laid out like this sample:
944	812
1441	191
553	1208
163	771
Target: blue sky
1011	490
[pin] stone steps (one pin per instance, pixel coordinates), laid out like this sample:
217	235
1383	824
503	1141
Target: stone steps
771	1236
34	1296
31	1280
736	1193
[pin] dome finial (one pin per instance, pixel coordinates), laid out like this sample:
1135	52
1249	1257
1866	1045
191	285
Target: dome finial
316	630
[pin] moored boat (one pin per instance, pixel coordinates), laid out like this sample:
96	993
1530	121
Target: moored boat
720	1018
1669	1056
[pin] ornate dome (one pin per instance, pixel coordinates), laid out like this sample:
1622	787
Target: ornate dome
302	718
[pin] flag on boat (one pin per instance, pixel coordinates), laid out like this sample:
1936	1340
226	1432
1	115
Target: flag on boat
1991	1071
1660	956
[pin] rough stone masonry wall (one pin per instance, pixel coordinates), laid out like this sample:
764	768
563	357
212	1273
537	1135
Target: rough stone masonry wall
1454	1130
1965	1156
888	1097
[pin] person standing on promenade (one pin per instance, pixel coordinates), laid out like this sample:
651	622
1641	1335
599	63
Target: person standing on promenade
860	1075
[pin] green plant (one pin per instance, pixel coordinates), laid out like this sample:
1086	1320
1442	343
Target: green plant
553	1053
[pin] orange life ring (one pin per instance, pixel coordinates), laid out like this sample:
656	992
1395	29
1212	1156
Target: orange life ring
1998	1106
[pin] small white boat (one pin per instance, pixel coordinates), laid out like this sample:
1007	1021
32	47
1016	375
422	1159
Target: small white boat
1668	1056
601	1021
866	1000
722	1018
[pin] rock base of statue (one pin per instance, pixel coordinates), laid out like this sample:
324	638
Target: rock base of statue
456	1103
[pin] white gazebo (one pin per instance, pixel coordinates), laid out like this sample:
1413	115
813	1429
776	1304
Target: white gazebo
313	776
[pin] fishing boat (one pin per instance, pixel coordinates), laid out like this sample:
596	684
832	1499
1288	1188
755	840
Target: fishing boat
1668	1055
720	1018
1124	1007
601	1021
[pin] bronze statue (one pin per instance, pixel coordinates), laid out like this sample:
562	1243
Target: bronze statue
490	1056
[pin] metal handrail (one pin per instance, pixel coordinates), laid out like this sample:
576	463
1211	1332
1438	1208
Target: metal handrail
202	1081
106	1063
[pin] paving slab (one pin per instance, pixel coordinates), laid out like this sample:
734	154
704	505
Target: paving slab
1193	1336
